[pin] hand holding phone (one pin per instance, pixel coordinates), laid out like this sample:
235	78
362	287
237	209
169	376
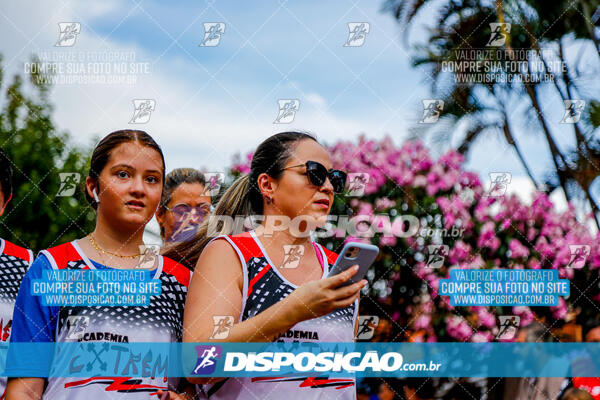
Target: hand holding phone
339	289
355	253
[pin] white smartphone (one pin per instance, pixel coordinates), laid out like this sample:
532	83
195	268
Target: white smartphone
355	253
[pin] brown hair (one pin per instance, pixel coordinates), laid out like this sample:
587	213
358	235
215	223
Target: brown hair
243	197
177	177
103	149
173	180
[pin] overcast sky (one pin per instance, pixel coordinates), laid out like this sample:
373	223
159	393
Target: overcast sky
212	102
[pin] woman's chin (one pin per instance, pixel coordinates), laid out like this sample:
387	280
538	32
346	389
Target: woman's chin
135	220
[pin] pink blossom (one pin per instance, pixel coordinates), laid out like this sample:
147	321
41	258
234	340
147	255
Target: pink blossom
356	239
458	328
365	208
525	314
595	261
505	224
459	252
423	321
452	159
419	181
383	203
559	311
487	237
536	236
485	318
482	337
388	241
544	248
517	250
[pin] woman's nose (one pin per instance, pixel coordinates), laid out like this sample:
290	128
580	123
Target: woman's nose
327	186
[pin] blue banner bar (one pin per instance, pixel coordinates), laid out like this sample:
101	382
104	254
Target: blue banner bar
284	359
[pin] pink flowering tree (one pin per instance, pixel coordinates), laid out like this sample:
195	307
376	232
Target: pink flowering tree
413	206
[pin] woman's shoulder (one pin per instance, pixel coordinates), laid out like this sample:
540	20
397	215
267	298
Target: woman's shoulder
223	245
10	249
224	251
59	256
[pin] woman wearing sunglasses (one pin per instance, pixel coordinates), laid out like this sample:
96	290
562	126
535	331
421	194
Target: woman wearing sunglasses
251	280
184	205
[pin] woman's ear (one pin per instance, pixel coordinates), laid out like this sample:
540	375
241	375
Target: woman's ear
90	185
266	185
160	215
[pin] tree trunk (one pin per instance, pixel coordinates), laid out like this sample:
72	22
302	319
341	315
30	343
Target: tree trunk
557	156
511	140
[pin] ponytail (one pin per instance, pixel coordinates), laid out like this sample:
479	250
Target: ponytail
242	198
234	202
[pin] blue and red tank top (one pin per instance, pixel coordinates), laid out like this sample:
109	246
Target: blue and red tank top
160	321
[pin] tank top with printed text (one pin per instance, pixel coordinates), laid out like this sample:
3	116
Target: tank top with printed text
159	321
263	286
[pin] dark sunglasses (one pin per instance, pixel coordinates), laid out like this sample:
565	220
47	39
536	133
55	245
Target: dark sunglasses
317	174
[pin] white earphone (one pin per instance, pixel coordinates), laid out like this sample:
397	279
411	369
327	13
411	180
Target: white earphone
95	195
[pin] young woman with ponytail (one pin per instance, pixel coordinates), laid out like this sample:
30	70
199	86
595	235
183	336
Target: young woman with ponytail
243	275
124	187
